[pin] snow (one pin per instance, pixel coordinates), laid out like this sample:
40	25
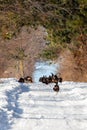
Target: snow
44	68
35	106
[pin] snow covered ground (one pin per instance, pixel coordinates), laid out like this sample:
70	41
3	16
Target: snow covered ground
35	106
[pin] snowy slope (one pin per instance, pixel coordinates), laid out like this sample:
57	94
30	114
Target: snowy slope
35	106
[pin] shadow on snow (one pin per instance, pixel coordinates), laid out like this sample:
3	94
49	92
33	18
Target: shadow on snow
12	110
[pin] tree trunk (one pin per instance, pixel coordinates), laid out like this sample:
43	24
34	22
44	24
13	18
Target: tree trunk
21	68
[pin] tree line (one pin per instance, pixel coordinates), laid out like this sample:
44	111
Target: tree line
65	21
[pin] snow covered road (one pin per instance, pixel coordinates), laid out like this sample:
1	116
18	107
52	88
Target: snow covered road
35	106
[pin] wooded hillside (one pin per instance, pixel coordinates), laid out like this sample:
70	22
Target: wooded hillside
64	20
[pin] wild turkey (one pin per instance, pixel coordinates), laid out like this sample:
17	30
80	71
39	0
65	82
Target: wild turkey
56	87
28	79
21	80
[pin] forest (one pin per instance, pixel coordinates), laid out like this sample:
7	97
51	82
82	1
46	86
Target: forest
64	20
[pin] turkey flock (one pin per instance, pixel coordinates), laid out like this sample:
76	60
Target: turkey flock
53	78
